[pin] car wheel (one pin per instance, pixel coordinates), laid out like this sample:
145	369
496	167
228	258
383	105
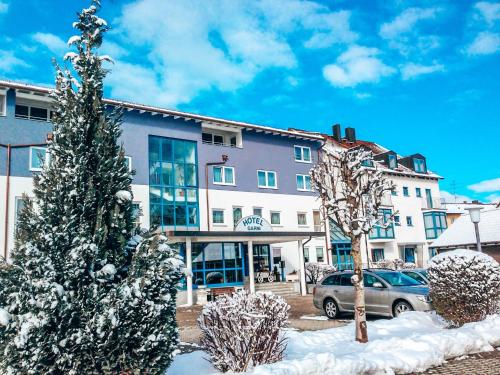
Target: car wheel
401	307
331	308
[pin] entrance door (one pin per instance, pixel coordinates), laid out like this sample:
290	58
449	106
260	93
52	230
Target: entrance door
261	258
341	256
409	255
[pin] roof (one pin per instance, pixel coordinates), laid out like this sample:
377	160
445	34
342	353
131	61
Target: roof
462	231
460	208
130	106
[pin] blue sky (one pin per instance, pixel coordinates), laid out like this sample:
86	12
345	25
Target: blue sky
412	76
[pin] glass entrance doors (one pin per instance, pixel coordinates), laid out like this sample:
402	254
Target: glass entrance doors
261	258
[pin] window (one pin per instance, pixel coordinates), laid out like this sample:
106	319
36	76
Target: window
367	163
394	192
20	203
38	158
3	104
345	279
418	192
217	263
317	221
369	280
173	182
223	175
217	216
377	255
237	214
382	229
435	224
306	254
397	220
332	280
409	221
128	163
301	218
221	137
406	193
432	252
29	111
136	214
275	218
214	139
393	161
267	179
303	182
320	254
302	154
419	165
257	211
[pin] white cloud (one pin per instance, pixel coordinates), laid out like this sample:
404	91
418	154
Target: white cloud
402	33
454	198
406	21
4	7
52	42
493	198
411	70
355	66
489	11
8	62
486	186
485	43
218	45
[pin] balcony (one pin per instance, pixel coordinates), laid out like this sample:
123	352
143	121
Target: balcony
432	204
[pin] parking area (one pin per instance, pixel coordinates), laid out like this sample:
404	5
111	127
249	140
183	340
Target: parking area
302	316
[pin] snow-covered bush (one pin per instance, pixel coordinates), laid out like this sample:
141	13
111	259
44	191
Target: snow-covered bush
464	285
244	330
316	271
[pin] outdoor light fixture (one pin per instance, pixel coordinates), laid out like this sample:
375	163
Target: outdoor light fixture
475	217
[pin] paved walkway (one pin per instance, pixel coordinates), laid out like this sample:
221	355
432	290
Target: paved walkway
477	364
300	307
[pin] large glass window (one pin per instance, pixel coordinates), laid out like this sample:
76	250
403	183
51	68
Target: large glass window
173	182
382	229
435	224
216	264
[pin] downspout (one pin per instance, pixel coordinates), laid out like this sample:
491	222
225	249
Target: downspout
9	148
304	259
225	158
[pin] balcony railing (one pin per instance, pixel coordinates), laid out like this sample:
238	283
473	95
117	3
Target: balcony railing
432	203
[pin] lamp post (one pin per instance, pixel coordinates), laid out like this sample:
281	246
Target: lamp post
475	217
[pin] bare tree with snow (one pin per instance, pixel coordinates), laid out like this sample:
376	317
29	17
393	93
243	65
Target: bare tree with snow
351	189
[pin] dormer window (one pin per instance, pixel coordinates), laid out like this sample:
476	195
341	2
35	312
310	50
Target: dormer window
392	161
419	165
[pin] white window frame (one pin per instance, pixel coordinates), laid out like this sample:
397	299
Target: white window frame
16	209
305	215
303	182
3	103
301	160
223	216
322	254
46	161
129	158
223	174
271	217
258	208
267	179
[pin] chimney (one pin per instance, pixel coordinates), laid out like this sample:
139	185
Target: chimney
337	133
350	134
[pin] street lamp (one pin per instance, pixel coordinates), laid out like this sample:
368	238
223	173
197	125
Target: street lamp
475	217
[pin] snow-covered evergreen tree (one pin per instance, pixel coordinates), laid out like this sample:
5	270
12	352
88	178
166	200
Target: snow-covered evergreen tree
83	294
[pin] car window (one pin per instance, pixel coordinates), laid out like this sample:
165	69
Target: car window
415	276
345	280
329	280
397	279
368	280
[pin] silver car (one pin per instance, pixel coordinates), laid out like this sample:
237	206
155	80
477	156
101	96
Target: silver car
387	293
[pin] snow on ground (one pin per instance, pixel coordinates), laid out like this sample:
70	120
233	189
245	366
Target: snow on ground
413	342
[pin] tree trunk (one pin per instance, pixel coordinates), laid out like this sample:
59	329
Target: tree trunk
359	298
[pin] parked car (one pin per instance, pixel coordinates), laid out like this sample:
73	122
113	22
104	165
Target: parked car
419	274
387	293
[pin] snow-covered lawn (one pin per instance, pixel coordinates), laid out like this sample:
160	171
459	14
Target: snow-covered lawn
413	342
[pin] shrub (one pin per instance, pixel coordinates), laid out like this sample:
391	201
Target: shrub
316	271
244	330
464	286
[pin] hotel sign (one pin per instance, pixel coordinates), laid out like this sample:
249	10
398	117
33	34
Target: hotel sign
253	223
